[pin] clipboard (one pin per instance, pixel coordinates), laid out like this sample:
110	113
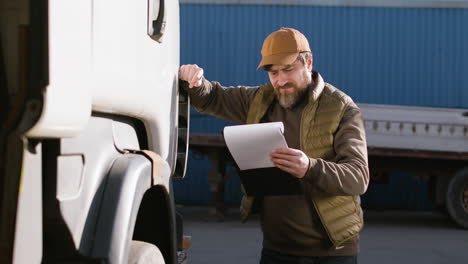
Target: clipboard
270	181
250	146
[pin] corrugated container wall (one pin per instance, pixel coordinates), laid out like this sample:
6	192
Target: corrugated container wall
399	56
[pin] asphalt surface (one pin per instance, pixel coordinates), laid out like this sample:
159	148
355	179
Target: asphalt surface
401	237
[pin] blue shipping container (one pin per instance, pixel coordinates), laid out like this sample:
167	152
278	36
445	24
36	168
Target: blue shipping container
401	56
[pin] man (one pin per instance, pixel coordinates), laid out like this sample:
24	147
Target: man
327	152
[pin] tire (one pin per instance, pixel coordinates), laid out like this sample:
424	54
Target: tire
144	253
457	198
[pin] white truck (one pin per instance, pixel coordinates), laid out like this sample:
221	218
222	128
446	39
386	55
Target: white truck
431	143
93	128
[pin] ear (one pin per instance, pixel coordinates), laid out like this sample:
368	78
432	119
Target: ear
309	64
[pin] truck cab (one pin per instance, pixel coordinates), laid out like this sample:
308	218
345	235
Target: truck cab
94	128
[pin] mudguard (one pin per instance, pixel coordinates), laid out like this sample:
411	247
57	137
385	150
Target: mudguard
129	178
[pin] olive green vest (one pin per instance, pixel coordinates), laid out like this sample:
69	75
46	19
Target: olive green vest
341	216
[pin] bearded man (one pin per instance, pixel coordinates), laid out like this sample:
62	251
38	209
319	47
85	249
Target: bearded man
327	151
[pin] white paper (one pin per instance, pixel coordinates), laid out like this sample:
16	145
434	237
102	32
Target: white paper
251	145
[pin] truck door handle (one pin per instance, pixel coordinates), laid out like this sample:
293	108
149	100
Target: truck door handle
156	19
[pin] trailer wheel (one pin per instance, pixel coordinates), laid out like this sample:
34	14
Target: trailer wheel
144	253
457	198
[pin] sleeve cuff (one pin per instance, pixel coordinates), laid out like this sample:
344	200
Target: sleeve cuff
310	171
202	90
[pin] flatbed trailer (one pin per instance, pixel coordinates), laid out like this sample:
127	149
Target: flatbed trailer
429	143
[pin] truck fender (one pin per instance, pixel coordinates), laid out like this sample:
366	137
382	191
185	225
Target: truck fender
128	180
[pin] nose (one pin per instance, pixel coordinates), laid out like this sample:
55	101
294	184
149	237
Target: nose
282	79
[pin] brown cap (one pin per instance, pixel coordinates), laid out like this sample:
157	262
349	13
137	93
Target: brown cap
283	46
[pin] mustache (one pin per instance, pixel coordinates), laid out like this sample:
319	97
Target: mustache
288	84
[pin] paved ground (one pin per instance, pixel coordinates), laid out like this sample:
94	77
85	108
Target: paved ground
389	237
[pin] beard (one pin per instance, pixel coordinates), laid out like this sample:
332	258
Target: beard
289	99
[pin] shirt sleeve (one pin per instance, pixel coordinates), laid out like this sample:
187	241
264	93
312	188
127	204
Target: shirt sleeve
348	172
228	103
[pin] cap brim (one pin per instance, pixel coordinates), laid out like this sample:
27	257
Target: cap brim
279	59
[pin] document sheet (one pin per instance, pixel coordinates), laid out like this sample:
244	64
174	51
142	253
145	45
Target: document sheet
251	145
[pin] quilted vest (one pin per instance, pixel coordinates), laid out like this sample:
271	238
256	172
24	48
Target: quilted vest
341	216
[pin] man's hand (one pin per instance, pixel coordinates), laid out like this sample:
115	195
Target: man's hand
292	161
192	74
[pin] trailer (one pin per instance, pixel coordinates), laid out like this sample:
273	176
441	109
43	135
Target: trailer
428	143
